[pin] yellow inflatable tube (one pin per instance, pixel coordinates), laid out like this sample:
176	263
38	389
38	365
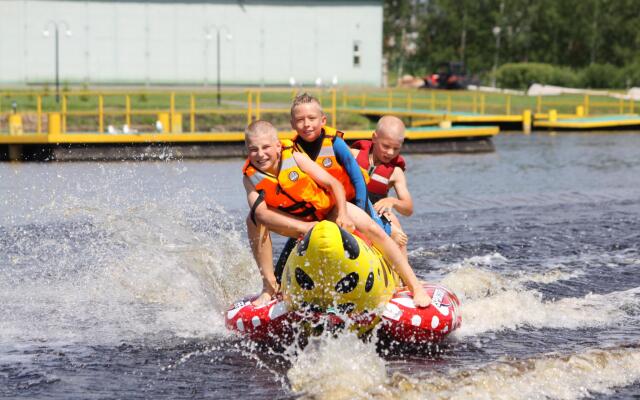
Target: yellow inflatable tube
331	269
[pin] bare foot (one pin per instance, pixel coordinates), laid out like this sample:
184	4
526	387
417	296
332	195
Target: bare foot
399	237
263	299
420	297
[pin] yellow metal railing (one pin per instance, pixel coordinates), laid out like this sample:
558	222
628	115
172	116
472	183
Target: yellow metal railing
90	111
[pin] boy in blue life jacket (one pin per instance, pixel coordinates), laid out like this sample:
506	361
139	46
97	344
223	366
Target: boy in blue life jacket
325	146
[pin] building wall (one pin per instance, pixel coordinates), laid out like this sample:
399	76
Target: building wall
165	42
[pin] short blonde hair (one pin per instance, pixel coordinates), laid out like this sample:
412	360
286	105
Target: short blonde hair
260	127
305	98
390	125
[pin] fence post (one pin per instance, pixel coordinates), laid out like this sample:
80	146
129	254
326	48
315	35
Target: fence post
100	114
172	109
127	113
586	105
192	113
482	105
621	104
526	122
258	96
39	122
64	113
249	106
539	104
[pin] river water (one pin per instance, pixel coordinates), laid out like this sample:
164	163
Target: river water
114	277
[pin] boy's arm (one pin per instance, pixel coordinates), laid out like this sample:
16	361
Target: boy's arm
348	161
276	221
331	184
403	203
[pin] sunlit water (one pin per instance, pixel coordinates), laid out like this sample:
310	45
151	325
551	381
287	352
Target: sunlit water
114	276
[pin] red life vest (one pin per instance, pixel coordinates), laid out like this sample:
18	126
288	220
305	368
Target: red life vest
291	190
327	160
380	175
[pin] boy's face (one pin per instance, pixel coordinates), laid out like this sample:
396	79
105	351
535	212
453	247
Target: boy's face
264	152
387	147
308	121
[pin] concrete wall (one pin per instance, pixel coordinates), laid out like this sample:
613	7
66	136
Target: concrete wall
165	42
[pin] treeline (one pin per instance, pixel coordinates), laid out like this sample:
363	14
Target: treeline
593	43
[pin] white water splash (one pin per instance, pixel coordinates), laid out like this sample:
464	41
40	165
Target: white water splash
551	376
155	275
343	367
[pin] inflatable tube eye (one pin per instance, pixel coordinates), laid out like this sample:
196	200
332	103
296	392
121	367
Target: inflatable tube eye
348	283
346	308
311	307
369	284
304	243
349	244
304	280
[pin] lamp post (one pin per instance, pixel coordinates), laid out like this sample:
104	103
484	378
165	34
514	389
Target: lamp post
496	32
208	36
56	26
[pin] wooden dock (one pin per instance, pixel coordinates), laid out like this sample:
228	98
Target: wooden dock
421	117
101	146
600	122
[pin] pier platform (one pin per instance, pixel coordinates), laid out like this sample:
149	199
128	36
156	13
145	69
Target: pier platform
421	117
601	122
100	146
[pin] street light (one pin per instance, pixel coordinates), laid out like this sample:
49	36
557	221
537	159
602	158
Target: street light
496	32
56	26
208	36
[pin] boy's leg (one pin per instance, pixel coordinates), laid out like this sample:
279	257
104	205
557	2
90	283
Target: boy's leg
260	241
391	251
284	256
397	233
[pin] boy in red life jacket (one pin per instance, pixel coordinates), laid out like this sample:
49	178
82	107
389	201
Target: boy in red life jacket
381	157
287	192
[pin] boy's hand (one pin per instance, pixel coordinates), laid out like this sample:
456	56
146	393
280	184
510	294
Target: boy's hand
345	222
384	205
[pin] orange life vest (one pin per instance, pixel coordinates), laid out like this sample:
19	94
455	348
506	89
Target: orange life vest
327	160
292	190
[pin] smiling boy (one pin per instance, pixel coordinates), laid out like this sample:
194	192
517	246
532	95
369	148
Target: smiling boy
288	192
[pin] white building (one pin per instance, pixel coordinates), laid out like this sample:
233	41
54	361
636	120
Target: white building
175	42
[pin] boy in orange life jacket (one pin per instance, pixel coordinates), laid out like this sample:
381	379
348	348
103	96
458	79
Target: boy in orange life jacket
381	157
273	168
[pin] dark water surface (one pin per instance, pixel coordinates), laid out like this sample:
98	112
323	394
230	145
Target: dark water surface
114	276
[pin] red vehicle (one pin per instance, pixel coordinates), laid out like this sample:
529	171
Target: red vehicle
451	75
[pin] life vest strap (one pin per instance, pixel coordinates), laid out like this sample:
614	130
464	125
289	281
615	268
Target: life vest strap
255	205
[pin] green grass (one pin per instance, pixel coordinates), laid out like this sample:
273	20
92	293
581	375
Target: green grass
150	102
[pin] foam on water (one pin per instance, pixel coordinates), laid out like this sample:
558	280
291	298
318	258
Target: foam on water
494	302
553	376
152	271
342	367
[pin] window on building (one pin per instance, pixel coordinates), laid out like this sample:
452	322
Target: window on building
356	53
